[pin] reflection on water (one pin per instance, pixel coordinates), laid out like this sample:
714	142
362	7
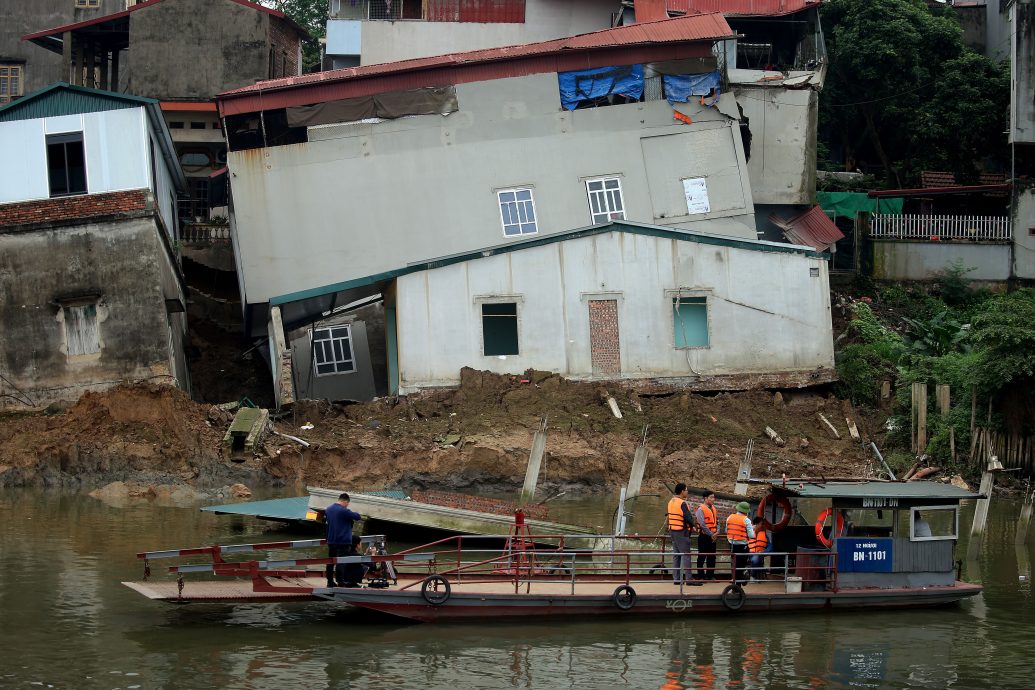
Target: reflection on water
68	623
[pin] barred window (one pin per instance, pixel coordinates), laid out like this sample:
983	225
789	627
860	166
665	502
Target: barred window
332	350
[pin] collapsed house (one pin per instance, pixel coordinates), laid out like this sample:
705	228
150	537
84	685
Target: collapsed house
606	169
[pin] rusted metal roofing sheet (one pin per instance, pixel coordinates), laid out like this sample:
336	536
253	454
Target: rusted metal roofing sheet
992	189
476	11
668	39
745	8
650	10
813	228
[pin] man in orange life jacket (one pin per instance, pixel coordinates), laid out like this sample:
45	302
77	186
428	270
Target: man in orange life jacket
760	546
708	526
740	534
680	523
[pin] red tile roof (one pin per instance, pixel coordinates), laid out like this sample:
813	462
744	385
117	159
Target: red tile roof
669	39
744	8
936	178
812	228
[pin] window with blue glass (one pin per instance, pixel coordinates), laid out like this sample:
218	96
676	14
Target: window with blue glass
690	315
517	211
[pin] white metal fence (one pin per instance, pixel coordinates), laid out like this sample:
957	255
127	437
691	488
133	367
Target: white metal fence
941	228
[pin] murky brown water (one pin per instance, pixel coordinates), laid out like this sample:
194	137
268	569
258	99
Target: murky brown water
66	622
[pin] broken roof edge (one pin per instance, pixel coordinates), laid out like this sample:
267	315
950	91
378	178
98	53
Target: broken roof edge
39	37
719	29
645	229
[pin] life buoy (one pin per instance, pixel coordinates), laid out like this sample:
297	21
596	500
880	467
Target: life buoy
733	597
624	597
435	590
839	527
783	504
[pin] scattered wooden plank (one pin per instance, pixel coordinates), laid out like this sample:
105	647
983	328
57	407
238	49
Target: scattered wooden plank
852	428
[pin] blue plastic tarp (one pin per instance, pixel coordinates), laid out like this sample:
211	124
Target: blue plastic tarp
587	84
680	87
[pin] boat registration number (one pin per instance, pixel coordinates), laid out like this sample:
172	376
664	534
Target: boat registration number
679	605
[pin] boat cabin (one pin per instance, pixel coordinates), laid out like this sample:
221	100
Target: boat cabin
870	533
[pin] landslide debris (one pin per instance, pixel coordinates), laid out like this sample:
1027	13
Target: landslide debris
474	437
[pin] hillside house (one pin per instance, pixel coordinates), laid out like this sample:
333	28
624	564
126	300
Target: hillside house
342	179
92	292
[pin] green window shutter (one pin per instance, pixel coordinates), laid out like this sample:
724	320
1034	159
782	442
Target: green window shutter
691	321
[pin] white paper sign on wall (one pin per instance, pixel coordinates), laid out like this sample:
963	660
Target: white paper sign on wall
696	191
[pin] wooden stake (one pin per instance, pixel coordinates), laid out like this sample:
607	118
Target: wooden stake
977	529
952	443
638	466
852	428
941	394
973	411
829	425
535	461
744	473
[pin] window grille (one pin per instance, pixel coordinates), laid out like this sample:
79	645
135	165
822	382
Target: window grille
605	200
517	211
332	350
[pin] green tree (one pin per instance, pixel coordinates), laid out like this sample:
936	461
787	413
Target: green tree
903	89
311	15
1004	334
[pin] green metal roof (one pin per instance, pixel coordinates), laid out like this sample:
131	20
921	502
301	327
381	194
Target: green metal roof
874	489
275	509
65	99
645	229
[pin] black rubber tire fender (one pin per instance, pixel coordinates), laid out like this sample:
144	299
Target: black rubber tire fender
733	597
624	597
436	590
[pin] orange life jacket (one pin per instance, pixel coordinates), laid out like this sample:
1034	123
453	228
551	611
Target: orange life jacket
676	522
760	541
736	528
711	518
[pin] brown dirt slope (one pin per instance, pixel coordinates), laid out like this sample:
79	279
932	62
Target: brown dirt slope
474	437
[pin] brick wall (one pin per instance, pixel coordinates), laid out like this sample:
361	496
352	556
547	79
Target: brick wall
284	41
603	336
81	207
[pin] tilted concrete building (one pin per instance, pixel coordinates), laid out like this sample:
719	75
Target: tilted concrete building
509	164
92	294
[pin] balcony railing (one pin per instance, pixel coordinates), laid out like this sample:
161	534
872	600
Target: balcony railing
941	228
205	233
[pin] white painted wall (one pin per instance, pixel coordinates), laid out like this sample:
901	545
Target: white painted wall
783	142
114	143
898	260
1024	232
360	199
544	20
766	314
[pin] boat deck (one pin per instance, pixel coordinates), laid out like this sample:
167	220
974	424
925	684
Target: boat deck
240	590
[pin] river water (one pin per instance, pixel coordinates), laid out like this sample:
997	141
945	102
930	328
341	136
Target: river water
66	622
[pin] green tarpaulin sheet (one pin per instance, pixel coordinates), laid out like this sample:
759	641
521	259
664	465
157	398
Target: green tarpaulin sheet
847	204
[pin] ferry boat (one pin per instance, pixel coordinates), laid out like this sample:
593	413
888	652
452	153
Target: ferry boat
874	544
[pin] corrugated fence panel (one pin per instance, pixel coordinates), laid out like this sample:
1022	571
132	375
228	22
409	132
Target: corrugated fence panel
922	556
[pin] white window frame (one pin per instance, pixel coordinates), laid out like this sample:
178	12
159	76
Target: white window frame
331	338
518	206
923	509
75	346
479	301
606	195
14	71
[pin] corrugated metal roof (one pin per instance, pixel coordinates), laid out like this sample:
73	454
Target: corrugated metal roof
650	10
744	8
871	489
991	189
812	228
578	233
701	27
65	99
